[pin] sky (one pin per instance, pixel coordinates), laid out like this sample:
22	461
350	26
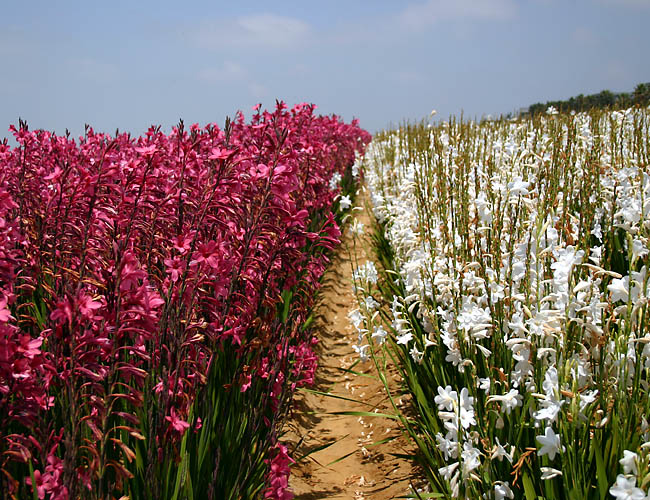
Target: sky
131	64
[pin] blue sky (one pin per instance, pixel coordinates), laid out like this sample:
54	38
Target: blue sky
127	64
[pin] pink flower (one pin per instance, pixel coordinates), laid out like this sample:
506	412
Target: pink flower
30	347
5	315
246	385
131	274
220	154
6	202
147	151
87	305
208	253
63	312
182	242
279	472
174	267
40	488
178	424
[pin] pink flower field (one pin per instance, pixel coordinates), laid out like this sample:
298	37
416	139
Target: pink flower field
153	298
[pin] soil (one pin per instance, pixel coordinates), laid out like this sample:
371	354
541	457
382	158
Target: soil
352	468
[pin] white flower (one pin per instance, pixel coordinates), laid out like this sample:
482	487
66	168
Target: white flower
508	401
448	471
355	317
483	208
400	325
447	445
366	272
484	384
551	405
416	355
466	401
470	458
624	288
597	231
550	444
619	289
345	202
356	228
379	335
334	181
405	339
362	350
586	398
549	411
498	451
638	249
446	398
466	409
551	383
625	489
518	187
355	170
549	473
370	303
629	462
454	357
502	491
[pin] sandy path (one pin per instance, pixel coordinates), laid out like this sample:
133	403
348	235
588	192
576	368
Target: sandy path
368	472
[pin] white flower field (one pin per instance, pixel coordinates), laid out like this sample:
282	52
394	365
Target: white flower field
511	290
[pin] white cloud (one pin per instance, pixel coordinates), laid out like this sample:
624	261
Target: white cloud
421	15
256	31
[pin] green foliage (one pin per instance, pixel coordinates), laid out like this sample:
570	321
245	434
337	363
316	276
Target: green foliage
602	100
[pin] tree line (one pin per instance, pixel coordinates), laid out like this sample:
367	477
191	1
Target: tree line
604	99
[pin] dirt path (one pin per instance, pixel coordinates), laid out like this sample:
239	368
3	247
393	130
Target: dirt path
367	472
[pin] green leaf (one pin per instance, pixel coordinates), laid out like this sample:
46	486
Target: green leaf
318	448
363	414
31	475
383	441
181	471
189	490
358	374
286	304
335	396
341	458
404	456
307	322
601	473
529	489
424	495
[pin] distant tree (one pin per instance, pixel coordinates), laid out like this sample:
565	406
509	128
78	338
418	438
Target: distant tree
603	99
624	100
641	95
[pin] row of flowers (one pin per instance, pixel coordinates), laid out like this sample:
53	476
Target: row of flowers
153	292
514	287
